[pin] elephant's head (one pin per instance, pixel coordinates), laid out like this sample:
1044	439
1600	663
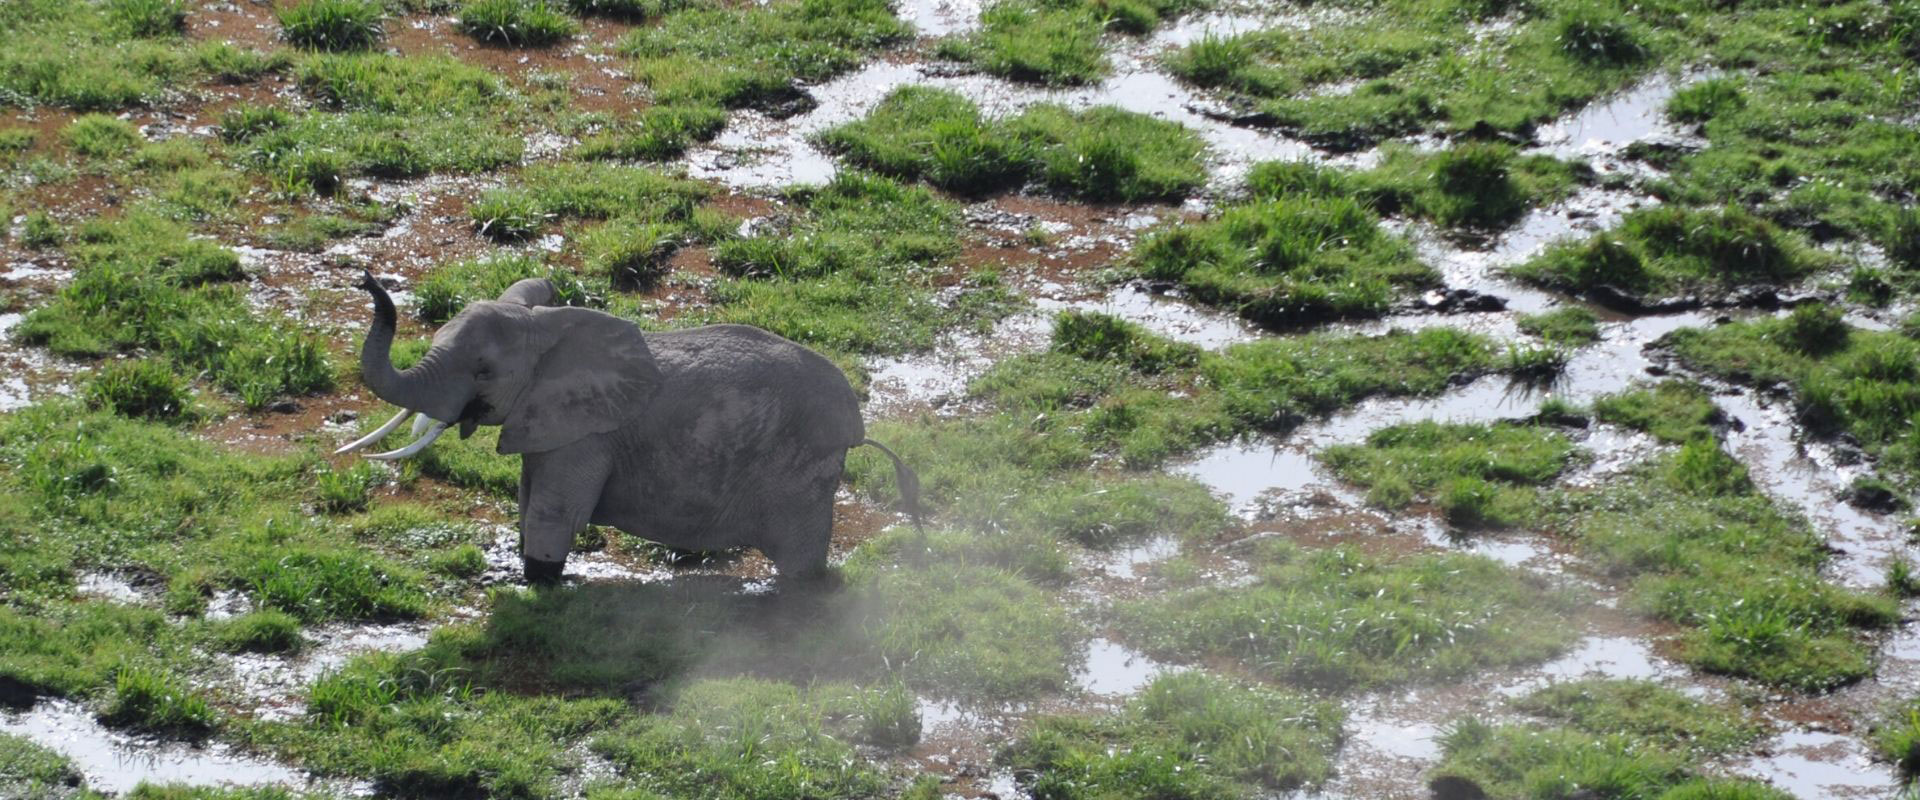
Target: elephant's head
548	375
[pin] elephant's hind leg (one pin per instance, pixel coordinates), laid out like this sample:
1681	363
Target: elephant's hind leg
799	528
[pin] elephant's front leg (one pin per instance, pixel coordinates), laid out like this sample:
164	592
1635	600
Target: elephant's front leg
558	492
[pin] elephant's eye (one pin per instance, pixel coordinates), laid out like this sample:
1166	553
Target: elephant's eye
485	372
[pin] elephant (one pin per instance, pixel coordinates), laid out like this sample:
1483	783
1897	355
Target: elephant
701	439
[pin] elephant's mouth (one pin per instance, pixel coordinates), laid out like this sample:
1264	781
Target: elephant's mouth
425	430
477	409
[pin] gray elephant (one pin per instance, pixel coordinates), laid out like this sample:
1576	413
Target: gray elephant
701	439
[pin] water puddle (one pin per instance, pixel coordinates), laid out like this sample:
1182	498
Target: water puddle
1115	670
276	686
115	762
1168	315
1134	560
1809	477
1605	128
108	586
1816	764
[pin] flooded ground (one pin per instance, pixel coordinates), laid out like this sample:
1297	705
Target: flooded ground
1270	481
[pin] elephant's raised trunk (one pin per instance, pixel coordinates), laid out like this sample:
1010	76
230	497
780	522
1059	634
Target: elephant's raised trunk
409	390
404	389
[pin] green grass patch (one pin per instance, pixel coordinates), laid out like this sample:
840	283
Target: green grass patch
739	57
101	136
1520	761
1186	735
854	271
265	631
1475	185
90	56
741	739
416	725
584	192
1055	43
1102	154
1698	546
1572	326
1336	618
516	23
335	25
142	283
1645	711
146	699
657	133
450	287
142	388
1859	382
1897	738
1674	411
32	772
1478	475
1418	68
1300	250
1669	250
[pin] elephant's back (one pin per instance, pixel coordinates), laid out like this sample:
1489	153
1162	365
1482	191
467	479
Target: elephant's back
808	392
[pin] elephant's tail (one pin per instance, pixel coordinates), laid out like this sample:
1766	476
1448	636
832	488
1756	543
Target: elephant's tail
909	484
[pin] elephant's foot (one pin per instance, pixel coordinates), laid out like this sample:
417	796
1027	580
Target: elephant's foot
542	573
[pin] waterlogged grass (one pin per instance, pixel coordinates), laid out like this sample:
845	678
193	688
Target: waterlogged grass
142	283
733	58
1897	738
1572	326
1859	382
1508	760
1804	131
751	739
1674	411
1645	711
32	772
854	271
970	632
1669	250
1697	545
1100	155
416	726
1185	735
1478	475
1473	185
1055	43
1429	67
1300	249
1339	619
151	700
656	133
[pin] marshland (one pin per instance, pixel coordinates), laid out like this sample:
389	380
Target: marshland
1339	399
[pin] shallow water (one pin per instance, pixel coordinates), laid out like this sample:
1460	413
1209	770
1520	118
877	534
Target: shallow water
115	762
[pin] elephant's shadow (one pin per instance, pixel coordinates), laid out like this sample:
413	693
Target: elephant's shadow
633	640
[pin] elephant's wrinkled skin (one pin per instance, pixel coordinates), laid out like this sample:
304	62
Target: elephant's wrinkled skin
700	439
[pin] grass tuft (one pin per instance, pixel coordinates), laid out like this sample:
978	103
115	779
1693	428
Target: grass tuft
516	23
333	25
140	388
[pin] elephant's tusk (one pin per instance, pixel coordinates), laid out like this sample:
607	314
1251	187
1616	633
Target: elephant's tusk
376	435
417	445
420	424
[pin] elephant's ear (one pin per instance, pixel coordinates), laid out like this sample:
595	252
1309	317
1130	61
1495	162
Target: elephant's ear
530	292
592	372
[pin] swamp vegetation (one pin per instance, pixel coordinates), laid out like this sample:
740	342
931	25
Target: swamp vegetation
1569	444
